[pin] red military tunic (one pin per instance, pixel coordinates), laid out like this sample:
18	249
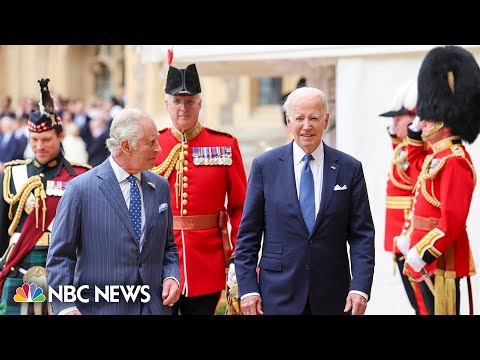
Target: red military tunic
399	194
203	190
440	210
403	174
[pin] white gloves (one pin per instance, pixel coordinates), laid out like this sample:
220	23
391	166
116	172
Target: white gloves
390	127
402	244
414	260
232	277
415	125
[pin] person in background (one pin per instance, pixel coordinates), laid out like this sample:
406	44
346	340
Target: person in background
29	194
308	203
205	170
402	176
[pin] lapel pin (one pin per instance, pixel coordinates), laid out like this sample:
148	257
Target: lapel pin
333	167
151	184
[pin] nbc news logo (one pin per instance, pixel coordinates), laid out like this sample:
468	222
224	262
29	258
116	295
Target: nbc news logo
29	293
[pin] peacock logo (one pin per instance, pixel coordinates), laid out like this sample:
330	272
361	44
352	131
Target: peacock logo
29	293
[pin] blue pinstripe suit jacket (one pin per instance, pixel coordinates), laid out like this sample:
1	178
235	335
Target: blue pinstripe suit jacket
93	242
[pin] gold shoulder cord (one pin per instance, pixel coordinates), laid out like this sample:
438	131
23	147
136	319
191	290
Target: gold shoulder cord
397	162
424	176
174	159
34	184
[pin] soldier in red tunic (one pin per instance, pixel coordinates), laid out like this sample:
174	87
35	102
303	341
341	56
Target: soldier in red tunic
449	109
401	178
208	183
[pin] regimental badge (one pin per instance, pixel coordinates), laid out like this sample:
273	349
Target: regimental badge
55	188
212	155
404	164
433	165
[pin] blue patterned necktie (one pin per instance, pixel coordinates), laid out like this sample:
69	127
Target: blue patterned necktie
135	209
307	193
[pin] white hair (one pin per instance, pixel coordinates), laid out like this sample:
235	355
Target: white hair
126	126
305	91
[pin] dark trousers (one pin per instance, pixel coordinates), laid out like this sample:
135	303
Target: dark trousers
400	259
429	299
196	305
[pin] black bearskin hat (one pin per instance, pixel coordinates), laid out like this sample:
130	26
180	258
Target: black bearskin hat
449	90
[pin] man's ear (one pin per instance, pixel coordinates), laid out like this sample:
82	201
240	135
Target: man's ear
125	146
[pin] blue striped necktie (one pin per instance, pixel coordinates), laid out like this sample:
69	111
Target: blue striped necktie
307	193
135	209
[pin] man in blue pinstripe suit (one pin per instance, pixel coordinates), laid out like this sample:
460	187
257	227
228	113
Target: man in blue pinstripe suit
98	242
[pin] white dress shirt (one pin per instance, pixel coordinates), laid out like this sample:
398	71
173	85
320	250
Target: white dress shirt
316	166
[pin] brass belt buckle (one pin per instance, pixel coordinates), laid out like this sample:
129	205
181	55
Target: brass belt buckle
44	239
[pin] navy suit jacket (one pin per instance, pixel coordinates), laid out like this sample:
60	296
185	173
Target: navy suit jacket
295	265
93	242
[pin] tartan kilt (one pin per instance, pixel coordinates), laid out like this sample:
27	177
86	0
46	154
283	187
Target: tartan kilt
36	257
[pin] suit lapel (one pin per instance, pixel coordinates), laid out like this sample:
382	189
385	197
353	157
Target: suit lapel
111	189
289	171
331	170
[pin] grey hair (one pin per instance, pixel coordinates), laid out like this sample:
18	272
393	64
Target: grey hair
305	91
126	126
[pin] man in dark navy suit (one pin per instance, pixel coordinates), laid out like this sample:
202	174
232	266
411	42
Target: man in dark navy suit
308	201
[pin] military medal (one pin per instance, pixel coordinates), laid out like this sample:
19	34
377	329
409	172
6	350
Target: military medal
196	156
50	187
229	155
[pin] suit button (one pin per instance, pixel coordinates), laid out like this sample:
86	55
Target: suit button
185	146
185	195
185	185
310	241
184	202
306	267
185	179
184	212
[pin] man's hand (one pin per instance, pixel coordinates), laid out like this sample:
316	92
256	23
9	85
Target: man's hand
252	305
170	293
356	303
74	312
232	277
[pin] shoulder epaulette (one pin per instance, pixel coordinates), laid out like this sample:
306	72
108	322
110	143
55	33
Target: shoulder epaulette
216	131
18	162
162	130
74	163
457	151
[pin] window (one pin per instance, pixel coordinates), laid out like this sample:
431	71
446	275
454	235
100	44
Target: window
269	91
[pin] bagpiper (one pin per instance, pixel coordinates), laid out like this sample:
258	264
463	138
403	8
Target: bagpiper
29	195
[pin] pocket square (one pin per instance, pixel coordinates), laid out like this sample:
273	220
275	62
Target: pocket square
339	188
162	207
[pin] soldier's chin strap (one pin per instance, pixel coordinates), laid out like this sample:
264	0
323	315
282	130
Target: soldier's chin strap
433	130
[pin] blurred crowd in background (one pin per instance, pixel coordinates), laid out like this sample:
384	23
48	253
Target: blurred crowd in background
86	127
